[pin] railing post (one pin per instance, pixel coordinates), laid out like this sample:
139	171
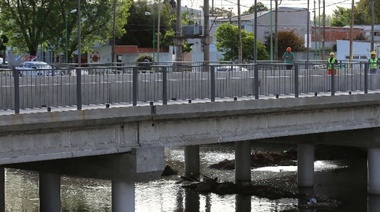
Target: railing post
16	78
134	85
296	83
79	89
164	86
212	83
366	67
257	82
332	79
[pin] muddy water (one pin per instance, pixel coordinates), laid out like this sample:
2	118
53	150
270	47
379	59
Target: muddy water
341	180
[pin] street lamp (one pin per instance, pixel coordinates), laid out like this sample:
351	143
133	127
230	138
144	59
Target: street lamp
66	46
153	40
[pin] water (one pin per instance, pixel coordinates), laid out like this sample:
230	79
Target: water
341	180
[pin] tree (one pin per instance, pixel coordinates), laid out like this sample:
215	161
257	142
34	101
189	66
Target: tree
220	12
260	7
227	36
341	17
364	11
287	39
34	23
362	14
139	27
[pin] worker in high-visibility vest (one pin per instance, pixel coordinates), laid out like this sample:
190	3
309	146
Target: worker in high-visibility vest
373	63
332	61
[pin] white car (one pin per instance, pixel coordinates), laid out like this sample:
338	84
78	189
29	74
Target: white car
231	68
35	68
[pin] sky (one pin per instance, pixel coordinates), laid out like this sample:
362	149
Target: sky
245	4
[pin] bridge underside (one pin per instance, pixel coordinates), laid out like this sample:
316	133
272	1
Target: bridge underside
139	165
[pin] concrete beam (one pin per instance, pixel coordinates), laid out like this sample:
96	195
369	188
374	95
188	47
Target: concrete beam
139	165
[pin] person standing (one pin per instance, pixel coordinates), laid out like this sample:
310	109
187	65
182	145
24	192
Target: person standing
332	62
288	57
373	63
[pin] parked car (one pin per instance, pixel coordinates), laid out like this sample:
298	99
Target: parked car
231	68
36	68
2	61
73	72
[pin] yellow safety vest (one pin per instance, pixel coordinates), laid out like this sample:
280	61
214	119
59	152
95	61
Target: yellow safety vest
330	62
373	63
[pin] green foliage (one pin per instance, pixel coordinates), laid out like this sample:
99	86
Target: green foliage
341	17
141	24
227	40
362	15
168	38
144	58
219	12
34	23
363	10
286	39
260	7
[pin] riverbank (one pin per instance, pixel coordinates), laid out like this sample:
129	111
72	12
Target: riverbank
278	187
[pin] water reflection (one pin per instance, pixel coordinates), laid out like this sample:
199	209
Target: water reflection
243	203
341	180
191	200
373	203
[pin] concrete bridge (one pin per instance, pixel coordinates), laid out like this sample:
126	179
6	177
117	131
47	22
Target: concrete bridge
126	144
101	125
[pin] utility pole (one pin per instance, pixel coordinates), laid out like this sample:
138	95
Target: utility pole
308	32
275	30
271	32
113	32
240	54
158	31
323	29
206	39
179	40
373	25
255	39
351	26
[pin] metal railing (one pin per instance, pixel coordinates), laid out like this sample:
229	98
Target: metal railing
138	84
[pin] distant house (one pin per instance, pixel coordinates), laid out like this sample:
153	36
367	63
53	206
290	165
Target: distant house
289	19
368	32
331	35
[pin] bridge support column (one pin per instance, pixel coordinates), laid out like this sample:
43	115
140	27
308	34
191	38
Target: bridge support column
123	196
373	170
2	189
305	161
192	161
243	162
50	192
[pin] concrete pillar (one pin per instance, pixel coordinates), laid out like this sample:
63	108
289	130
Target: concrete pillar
305	157
192	161
243	162
373	203
50	192
373	170
2	189
123	196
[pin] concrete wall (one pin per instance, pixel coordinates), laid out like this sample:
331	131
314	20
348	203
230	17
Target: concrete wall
72	134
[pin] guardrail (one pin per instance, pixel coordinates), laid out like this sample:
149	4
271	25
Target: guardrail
133	85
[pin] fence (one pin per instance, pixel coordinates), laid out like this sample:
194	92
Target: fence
134	85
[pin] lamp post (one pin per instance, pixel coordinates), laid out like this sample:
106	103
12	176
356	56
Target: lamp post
66	46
